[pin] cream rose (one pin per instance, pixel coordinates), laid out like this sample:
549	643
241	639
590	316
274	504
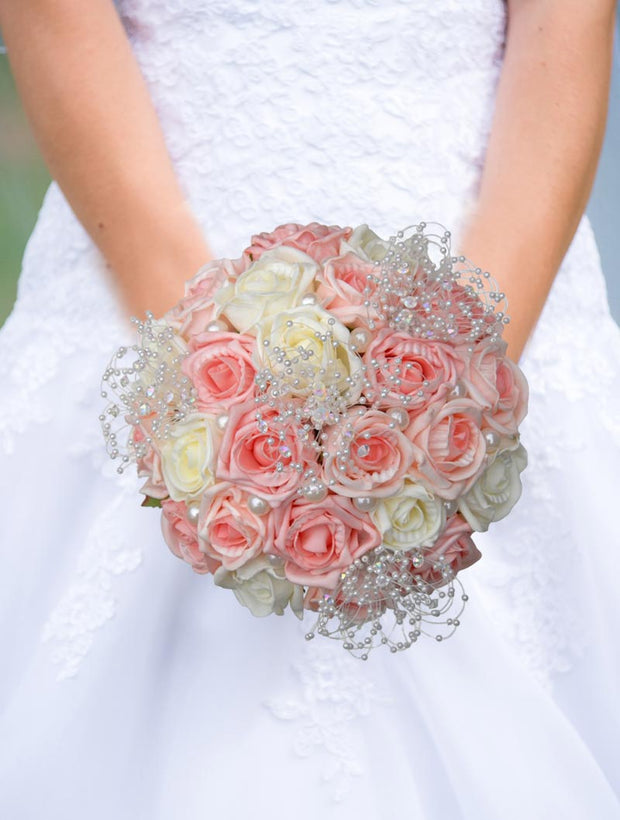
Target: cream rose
274	283
412	518
313	341
365	243
497	490
188	457
262	587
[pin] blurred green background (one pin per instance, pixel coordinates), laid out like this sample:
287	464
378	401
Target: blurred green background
23	180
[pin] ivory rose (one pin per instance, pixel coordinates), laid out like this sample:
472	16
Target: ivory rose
449	436
274	283
368	455
251	450
497	490
188	457
220	366
454	548
318	241
262	587
400	365
411	518
182	538
228	530
366	244
301	333
319	540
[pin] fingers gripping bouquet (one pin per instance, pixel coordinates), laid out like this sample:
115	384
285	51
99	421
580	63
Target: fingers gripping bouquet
324	422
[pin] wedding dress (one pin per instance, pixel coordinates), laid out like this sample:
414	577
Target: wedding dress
132	687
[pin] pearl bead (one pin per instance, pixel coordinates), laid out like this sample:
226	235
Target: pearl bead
193	512
221	421
400	416
492	439
315	492
309	299
450	507
361	338
216	326
365	503
258	505
458	391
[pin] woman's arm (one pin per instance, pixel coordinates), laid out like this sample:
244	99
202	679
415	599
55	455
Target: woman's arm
545	142
99	134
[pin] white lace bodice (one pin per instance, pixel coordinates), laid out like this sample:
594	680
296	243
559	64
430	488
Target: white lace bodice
341	111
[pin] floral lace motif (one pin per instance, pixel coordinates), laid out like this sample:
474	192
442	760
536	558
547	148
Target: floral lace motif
91	599
328	696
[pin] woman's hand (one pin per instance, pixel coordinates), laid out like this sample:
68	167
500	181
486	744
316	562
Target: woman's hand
545	142
98	132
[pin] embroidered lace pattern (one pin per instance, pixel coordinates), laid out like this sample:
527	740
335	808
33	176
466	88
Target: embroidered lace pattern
329	694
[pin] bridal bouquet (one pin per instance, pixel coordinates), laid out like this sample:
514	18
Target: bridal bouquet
324	422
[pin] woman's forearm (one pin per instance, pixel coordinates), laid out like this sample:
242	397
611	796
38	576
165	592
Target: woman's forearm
98	132
545	142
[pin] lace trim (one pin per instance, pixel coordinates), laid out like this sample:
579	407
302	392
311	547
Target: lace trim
323	706
91	601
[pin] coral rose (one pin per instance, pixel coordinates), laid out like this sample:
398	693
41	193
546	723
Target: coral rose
367	455
453	549
318	241
228	530
449	436
182	537
319	540
400	366
251	450
221	368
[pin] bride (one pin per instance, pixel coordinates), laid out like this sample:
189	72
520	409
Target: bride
132	687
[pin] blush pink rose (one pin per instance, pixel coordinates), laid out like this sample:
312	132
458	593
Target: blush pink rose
318	241
351	612
221	369
398	365
374	455
196	309
498	386
449	436
343	287
455	546
149	465
319	540
182	537
250	451
228	531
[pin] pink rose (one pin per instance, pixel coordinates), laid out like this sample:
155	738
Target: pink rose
196	309
221	369
400	365
344	286
149	465
318	241
450	438
498	386
454	546
374	455
251	450
228	531
350	611
182	537
319	540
